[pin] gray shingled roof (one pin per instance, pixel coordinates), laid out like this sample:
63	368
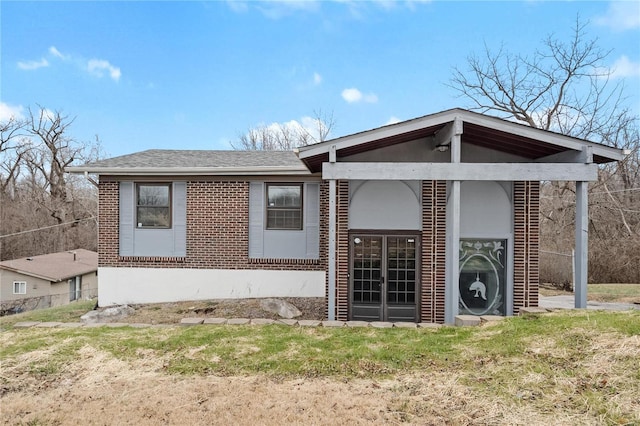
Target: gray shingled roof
198	161
55	267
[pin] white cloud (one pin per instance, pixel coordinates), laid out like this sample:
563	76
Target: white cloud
623	67
33	65
392	120
317	78
280	8
621	15
56	53
238	6
353	95
98	67
7	112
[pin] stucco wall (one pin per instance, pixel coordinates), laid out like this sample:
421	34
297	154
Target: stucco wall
153	285
36	287
385	205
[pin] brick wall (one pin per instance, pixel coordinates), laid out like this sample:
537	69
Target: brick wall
434	228
217	230
526	206
342	251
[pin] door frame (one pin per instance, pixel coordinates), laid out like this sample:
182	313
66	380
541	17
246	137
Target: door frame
384	234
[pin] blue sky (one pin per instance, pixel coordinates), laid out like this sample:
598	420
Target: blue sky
195	75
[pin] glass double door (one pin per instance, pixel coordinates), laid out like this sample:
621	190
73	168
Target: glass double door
384	277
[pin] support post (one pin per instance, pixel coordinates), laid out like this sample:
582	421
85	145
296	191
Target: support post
582	244
453	231
453	254
332	251
332	242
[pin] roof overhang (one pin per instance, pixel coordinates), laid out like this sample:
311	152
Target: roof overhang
188	171
478	129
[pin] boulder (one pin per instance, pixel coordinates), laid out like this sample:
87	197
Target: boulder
108	315
281	307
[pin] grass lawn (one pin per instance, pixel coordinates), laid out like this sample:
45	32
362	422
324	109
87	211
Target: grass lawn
621	293
572	367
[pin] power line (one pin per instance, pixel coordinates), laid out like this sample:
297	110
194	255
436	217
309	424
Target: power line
47	227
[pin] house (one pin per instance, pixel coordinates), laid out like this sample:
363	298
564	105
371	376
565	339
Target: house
416	221
48	280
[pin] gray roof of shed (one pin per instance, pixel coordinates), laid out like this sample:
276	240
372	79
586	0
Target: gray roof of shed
55	267
172	161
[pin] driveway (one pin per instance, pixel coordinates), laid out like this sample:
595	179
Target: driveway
568	302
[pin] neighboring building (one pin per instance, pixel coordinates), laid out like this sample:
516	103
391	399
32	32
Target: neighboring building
48	280
416	221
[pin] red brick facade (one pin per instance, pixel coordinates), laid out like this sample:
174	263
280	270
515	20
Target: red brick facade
217	230
218	238
434	231
526	230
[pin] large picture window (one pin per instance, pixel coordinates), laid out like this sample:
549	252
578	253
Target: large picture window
284	206
153	205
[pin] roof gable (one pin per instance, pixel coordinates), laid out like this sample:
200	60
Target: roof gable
478	129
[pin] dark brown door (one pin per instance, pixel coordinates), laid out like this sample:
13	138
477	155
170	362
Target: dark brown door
384	277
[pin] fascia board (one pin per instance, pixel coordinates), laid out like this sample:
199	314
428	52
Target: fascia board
380	133
27	273
183	171
542	135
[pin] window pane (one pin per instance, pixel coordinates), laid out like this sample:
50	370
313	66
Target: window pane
284	219
153	195
284	195
154	217
153	206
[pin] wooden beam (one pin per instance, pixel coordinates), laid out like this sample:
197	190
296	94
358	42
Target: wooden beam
443	137
460	171
570	156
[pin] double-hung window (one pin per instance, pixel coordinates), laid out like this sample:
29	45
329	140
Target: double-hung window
284	206
19	287
153	205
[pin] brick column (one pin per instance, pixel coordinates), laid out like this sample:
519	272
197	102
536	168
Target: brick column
526	230
342	251
433	257
108	220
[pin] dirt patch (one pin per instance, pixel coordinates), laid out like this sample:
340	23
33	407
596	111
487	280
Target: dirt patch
99	389
172	313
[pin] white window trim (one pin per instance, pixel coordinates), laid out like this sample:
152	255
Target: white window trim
22	287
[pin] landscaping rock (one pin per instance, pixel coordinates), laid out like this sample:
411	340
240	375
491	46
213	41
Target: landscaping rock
50	324
333	323
218	321
280	307
26	324
191	321
381	324
467	320
108	315
405	324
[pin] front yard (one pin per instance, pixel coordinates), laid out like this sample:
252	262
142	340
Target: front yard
571	367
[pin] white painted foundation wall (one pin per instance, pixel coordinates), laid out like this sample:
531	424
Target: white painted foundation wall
118	286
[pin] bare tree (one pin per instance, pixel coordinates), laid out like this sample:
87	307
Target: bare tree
42	196
13	145
565	87
286	136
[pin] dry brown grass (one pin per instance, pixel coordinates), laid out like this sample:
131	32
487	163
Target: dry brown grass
98	389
